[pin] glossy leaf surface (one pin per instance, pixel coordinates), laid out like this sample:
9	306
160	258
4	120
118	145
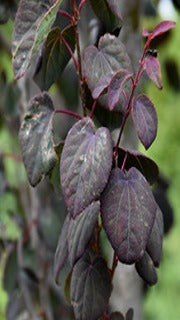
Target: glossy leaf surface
55	57
162	27
36	138
154	245
145	120
90	287
104	61
128	212
85	165
34	20
153	70
144	164
80	231
116	86
146	270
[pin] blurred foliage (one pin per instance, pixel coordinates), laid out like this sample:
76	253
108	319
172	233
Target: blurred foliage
162	301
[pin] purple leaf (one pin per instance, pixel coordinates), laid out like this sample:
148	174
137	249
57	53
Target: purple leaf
146	270
145	120
145	33
61	254
90	287
153	70
128	211
105	61
136	159
80	231
162	27
154	245
116	86
85	165
101	86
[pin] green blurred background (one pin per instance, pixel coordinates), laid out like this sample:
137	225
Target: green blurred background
161	301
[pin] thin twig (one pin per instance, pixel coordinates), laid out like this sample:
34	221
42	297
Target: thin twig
66	14
81	5
70	52
82	91
70	113
93	108
114	265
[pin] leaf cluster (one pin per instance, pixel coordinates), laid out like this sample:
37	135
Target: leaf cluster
103	185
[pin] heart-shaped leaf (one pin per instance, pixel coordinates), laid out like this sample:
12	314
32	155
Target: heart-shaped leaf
85	165
115	87
154	245
61	254
146	270
80	231
128	211
145	120
90	287
55	57
36	138
105	61
108	12
153	70
162	27
34	20
136	159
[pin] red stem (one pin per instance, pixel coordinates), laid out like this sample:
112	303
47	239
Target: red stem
70	52
129	103
81	5
124	161
66	14
93	108
114	264
70	113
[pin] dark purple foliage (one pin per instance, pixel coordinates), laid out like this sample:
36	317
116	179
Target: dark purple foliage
104	186
154	245
115	87
80	231
90	283
145	165
145	120
128	212
152	67
146	270
85	165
